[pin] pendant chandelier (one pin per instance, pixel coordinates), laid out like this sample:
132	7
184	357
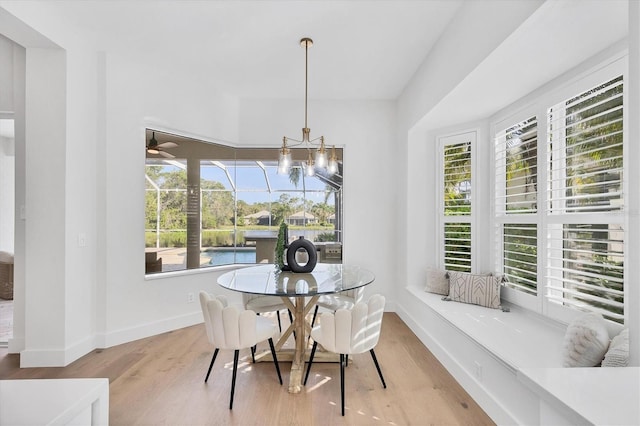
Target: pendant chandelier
318	159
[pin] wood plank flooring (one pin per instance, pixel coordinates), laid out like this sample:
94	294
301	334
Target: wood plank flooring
160	381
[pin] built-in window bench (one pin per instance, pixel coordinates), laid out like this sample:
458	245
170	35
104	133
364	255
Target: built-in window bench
511	364
581	396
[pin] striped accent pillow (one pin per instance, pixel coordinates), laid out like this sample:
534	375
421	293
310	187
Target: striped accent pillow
483	290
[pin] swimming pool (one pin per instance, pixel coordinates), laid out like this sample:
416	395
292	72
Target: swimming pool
229	256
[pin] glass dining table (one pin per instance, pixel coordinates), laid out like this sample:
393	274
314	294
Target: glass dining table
304	289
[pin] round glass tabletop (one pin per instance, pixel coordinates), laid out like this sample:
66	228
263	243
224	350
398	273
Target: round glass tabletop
325	279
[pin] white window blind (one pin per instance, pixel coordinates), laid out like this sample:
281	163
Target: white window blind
520	256
457	247
585	236
565	245
517	168
457	179
457	202
586	268
585	151
516	198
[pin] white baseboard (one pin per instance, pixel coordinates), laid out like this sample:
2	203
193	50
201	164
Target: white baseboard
129	334
56	358
63	357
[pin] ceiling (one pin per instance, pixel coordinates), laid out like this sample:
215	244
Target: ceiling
362	49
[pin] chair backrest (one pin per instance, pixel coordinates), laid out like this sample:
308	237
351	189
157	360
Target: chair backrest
352	331
228	327
247	297
356	293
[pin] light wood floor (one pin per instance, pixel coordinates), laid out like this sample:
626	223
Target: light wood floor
160	381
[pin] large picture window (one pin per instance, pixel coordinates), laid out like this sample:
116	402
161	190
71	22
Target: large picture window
564	241
210	205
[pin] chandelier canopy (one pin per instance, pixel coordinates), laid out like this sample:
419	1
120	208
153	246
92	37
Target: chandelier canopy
317	159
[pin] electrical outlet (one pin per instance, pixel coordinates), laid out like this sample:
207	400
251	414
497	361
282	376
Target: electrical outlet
478	370
190	298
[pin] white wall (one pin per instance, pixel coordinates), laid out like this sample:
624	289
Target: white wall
7	145
7	191
449	63
136	97
366	131
85	114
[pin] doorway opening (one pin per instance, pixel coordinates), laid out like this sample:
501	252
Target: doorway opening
7	226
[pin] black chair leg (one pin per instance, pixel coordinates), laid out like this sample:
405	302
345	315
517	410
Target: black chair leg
313	352
342	381
253	353
315	313
215	354
375	361
279	322
313	320
233	379
275	359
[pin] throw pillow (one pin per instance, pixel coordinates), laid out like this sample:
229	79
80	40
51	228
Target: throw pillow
483	290
437	281
618	353
585	341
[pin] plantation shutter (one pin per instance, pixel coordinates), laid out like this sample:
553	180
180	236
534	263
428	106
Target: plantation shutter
520	256
516	201
585	145
586	235
586	268
457	197
517	168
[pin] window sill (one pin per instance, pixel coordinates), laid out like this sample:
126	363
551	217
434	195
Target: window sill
185	272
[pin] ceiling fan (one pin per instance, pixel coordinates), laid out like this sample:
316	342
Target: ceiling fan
155	148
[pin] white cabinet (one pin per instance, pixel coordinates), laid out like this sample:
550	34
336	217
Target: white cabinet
54	402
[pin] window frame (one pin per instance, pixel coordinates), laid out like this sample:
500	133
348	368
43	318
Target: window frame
596	75
200	152
471	137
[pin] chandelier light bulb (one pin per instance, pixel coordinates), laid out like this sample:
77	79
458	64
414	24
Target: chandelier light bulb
284	159
321	154
310	168
332	168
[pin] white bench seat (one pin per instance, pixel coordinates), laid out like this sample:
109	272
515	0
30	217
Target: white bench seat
511	364
518	338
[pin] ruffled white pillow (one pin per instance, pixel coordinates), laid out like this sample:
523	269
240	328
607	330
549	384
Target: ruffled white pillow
437	281
618	353
586	341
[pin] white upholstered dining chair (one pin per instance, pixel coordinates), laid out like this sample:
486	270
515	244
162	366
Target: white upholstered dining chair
229	327
262	304
350	331
343	300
